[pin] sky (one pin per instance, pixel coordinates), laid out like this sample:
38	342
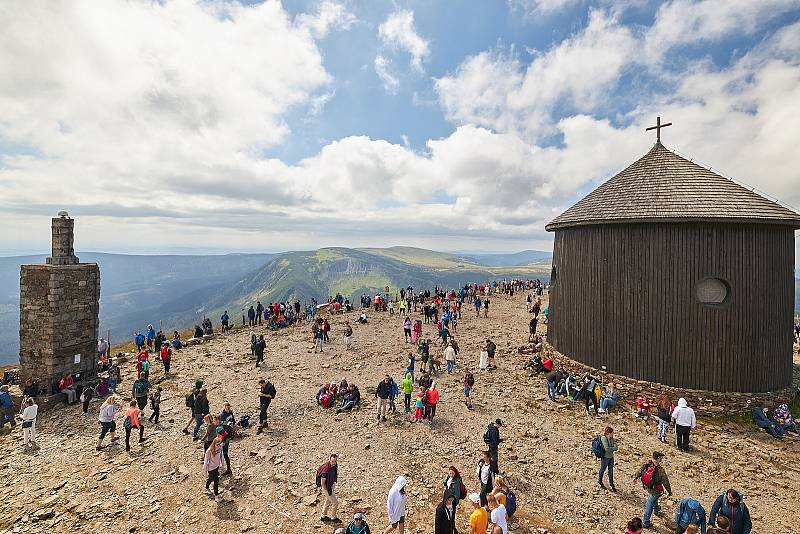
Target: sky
182	125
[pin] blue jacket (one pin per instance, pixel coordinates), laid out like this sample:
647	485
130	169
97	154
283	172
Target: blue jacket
5	401
691	512
738	515
151	334
139	339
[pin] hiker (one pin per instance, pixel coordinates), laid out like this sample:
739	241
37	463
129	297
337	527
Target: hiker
358	526
450	357
610	398
106	421
454	486
327	476
486	307
155	405
607	461
114	378
492	438
483	360
350	399
151	337
130	421
730	506
227	424
382	392
419	404
685	422
138	339
654	479
491	348
479	518
201	410
407	329
166	357
396	506
258	348
265	395
189	400
498	518
485	476
664	416
445	518
348	338
783	416
319	340
393	391
211	422
763	419
417	331
634	526
553	379
407	385
469	383
690	512
6	407
433	400
224	320
86	397
140	389
477	304
723	526
212	460
30	411
643	406
67	386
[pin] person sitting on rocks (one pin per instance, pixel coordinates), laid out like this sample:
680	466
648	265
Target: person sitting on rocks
763	419
198	332
350	399
783	416
67	387
176	340
643	406
610	398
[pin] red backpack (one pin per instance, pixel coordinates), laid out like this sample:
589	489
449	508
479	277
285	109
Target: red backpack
647	479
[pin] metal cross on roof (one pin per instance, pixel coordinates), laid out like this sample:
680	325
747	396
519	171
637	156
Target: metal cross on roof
657	128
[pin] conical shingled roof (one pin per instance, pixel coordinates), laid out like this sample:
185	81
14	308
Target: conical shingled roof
663	187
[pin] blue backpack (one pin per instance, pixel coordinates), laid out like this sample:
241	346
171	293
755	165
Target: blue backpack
597	447
511	502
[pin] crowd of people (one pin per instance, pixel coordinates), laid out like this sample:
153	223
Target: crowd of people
492	501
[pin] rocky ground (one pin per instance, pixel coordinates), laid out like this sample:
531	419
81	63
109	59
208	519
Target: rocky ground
67	486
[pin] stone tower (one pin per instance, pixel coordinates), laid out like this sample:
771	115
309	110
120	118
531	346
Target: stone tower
59	305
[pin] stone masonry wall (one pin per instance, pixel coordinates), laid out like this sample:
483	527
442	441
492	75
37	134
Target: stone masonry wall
59	310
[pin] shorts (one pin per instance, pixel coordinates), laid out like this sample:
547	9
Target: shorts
110	426
466	391
402	520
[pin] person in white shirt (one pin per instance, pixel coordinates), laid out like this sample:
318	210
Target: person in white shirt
484	474
498	520
685	422
106	419
450	357
29	413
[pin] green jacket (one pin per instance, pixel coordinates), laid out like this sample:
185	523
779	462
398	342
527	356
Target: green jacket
407	385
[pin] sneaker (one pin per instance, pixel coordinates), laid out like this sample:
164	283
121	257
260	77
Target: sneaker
324	518
142	440
602	485
207	491
218	498
185	431
614	489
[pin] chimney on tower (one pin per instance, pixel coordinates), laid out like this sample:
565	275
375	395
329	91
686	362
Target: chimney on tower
63	241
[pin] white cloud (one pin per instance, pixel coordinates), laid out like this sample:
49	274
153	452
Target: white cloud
384	71
398	33
531	8
329	15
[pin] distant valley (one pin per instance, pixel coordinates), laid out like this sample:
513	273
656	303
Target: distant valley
181	290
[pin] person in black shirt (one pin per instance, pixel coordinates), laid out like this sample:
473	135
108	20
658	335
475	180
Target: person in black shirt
258	349
265	396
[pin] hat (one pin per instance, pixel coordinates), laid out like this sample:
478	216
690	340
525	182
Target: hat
658	455
474	497
499	421
358	515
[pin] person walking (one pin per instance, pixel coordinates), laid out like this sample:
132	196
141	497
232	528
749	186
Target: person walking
433	401
730	507
485	476
86	398
685	422
498	518
258	348
450	357
654	479
166	357
130	421
408	388
155	405
492	438
105	419
445	518
141	388
201	410
265	395
664	416
454	486
607	461
348	339
469	383
382	393
212	460
319	340
327	476
30	411
396	506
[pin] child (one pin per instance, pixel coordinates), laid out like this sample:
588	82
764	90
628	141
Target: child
642	406
419	405
664	416
692	529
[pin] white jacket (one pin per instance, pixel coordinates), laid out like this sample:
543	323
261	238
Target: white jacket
683	415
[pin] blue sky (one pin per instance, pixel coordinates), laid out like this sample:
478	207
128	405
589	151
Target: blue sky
453	125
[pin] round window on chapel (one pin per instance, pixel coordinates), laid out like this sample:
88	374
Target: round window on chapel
712	291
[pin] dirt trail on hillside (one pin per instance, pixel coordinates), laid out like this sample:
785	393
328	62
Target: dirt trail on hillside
68	486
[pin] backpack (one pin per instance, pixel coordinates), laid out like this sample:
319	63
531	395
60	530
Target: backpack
127	423
189	399
139	388
511	502
325	401
647	479
597	447
470	380
486	438
145	366
463	489
324	468
244	421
